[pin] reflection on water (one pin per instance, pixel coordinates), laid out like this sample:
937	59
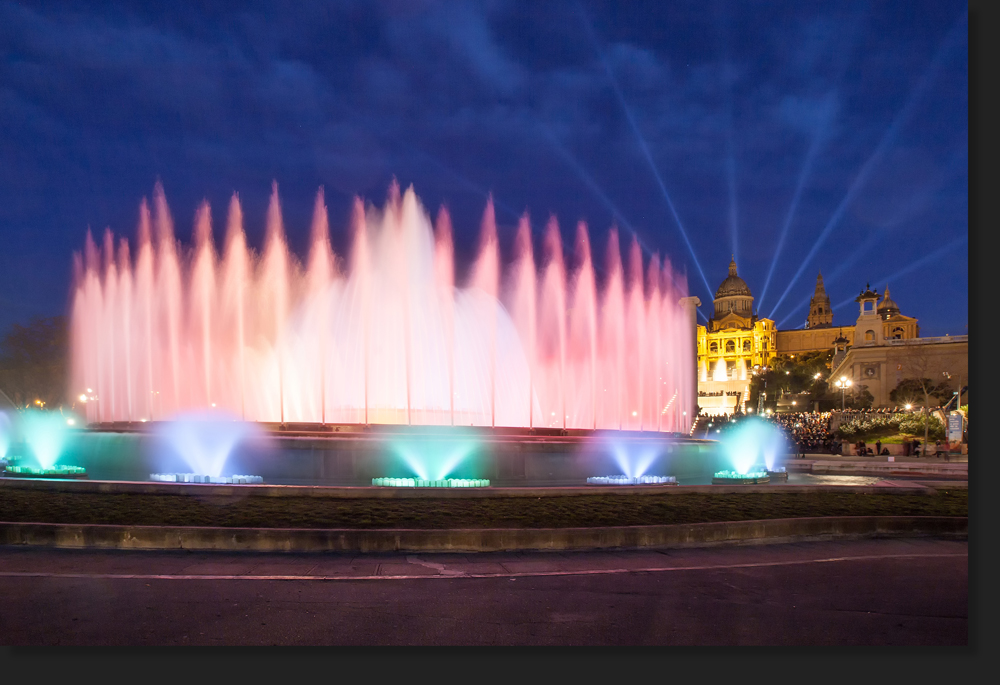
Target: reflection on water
823	479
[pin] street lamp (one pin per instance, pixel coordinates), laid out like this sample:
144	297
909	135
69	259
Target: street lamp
844	383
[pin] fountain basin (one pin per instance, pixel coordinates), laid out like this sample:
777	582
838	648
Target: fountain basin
625	480
422	483
778	475
734	478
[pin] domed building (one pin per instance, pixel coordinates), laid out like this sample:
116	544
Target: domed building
730	345
736	340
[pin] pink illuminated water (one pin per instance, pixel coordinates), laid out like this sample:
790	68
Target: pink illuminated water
383	336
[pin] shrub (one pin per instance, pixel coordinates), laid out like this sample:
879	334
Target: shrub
914	425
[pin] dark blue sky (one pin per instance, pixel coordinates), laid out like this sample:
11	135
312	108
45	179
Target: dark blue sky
799	136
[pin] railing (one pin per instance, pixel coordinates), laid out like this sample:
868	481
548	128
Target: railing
931	341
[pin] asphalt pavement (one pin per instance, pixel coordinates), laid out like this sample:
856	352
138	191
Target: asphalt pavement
859	592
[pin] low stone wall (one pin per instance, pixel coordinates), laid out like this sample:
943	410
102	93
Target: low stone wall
475	540
898	450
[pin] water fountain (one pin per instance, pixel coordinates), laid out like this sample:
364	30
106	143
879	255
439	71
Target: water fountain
205	441
754	449
45	434
6	437
335	348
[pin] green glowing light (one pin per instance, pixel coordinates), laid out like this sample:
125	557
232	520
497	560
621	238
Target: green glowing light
732	477
55	471
424	483
734	474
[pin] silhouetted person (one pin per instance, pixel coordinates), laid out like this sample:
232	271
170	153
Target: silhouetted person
878	447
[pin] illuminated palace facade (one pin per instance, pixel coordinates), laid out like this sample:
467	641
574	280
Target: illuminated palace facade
735	340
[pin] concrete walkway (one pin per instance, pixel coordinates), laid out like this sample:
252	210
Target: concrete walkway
861	592
955	467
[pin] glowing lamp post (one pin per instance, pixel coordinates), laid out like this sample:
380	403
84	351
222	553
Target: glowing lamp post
844	383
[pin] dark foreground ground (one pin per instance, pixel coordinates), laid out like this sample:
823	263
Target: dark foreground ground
865	592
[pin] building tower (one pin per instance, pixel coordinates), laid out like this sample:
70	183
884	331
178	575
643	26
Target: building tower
868	329
820	313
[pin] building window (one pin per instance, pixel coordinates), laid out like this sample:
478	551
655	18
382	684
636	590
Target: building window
869	336
714	347
730	346
897	333
746	345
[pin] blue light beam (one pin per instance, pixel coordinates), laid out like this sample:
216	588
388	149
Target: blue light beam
819	137
643	146
602	196
888	139
913	266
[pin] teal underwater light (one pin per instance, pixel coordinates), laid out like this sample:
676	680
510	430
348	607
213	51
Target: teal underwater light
735	478
52	472
425	483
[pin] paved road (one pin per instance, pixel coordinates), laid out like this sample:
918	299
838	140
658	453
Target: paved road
866	592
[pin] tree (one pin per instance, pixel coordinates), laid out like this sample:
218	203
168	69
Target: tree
863	399
788	374
33	362
911	391
918	368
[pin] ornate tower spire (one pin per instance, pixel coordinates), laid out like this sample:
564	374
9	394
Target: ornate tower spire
820	313
732	266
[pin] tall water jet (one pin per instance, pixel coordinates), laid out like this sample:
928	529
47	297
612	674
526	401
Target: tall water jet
320	275
273	299
391	338
635	335
444	281
613	326
235	274
583	329
201	307
521	301
167	325
552	327
486	279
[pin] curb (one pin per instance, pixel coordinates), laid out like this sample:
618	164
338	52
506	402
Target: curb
193	538
882	468
370	492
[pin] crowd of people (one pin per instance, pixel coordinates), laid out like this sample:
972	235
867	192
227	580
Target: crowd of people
807	431
811	432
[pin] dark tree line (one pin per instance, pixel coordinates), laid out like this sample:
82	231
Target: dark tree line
34	362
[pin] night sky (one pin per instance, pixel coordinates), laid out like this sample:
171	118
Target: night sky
799	136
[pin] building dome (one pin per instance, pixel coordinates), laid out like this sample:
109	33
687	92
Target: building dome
887	305
733	285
